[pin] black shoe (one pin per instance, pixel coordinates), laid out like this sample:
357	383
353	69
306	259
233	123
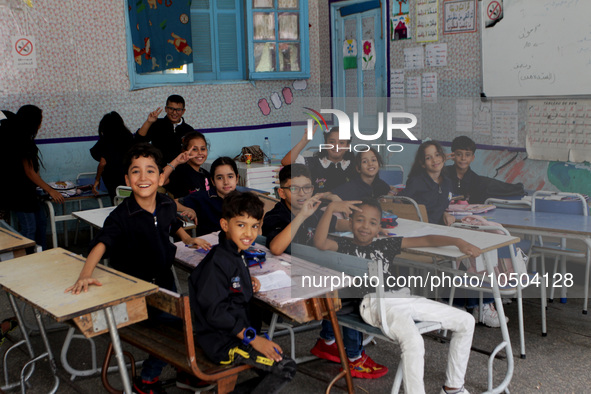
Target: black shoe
141	386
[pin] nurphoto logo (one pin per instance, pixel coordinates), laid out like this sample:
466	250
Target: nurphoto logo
345	129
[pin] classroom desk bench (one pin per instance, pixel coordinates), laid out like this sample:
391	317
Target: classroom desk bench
293	302
119	301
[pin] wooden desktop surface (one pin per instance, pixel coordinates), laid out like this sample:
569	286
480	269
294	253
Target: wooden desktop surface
41	278
12	242
288	300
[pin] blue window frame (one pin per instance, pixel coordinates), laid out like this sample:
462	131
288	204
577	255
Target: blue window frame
278	39
222	54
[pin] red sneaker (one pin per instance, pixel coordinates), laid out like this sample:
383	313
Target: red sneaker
326	352
366	368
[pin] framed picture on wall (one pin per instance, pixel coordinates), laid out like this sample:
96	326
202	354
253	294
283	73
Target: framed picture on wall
459	16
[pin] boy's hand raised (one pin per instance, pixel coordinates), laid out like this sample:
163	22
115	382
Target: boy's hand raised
345	207
268	348
82	285
153	116
310	206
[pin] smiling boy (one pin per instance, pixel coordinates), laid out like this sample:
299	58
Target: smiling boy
403	309
166	133
136	239
295	217
465	182
221	290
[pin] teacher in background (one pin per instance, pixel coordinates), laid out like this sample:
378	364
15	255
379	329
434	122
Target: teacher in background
21	160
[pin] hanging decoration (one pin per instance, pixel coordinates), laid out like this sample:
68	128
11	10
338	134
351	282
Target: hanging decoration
160	34
369	55
350	54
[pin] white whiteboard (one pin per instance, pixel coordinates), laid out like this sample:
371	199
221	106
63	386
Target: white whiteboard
539	48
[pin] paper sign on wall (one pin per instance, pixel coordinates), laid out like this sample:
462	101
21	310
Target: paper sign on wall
24	52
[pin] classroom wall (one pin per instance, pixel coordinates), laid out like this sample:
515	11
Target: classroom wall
461	78
81	74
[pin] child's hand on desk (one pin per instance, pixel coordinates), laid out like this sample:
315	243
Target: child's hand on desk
469	249
268	348
256	285
448	219
82	285
198	243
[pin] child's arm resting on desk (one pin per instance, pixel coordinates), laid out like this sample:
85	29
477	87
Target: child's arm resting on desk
85	278
187	240
321	240
265	346
441	240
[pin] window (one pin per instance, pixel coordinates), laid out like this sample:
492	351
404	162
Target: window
236	40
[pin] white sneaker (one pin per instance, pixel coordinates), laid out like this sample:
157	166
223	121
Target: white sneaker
490	317
460	391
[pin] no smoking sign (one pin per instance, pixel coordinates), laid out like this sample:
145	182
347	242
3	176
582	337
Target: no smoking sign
493	12
24	52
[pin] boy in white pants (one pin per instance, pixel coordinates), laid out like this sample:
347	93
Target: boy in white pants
402	309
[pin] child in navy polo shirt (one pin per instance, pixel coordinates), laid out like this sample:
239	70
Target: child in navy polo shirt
464	181
329	168
367	183
427	185
205	206
221	291
136	238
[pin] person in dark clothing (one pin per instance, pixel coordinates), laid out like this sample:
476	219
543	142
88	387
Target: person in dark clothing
205	206
115	139
295	217
368	183
136	239
221	290
21	160
464	181
329	168
185	174
427	185
166	133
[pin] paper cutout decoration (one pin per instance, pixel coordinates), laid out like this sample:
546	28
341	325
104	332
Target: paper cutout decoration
350	54
300	84
400	28
287	95
369	55
276	100
264	106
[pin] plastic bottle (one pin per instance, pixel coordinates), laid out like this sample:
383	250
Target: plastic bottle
267	151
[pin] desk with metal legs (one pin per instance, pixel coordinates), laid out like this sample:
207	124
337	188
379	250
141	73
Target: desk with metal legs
40	280
549	225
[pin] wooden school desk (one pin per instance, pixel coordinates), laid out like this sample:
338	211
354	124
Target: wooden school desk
16	244
297	304
551	225
40	280
486	242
